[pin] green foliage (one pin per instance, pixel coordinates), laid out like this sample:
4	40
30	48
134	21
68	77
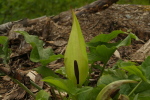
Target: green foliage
45	72
146	67
105	93
38	53
61	71
101	49
63	84
42	95
114	74
112	80
135	70
4	50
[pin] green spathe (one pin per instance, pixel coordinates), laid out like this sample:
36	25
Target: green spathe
76	52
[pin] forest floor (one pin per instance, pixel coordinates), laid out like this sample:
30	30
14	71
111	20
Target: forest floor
54	31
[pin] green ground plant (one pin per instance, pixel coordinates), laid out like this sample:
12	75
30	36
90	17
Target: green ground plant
124	81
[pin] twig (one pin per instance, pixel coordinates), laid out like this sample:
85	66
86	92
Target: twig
23	86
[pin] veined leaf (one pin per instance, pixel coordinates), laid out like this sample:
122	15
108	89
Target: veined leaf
38	53
107	37
104	50
101	53
94	92
83	92
136	71
121	63
105	53
107	79
45	71
63	84
127	40
61	71
136	97
110	88
42	95
146	67
50	59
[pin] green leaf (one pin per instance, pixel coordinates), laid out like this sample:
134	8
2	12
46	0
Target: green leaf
127	40
105	53
144	86
88	93
95	44
45	71
42	95
110	88
37	46
38	53
75	59
121	74
146	67
93	55
136	71
83	92
106	37
44	62
94	92
111	75
61	71
34	55
142	90
121	63
63	84
136	97
100	50
3	40
46	53
144	94
4	50
101	53
126	88
106	79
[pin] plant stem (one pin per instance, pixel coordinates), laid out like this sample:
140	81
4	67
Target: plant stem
135	88
35	85
23	86
53	92
102	70
60	95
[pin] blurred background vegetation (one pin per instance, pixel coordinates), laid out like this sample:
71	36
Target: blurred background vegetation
12	10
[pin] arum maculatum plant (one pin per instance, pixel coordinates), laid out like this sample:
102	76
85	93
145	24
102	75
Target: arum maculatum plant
75	59
77	69
114	83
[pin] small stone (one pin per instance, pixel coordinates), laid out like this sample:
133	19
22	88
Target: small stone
128	16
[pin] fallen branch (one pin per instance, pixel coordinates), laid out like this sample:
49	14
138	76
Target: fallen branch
91	8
